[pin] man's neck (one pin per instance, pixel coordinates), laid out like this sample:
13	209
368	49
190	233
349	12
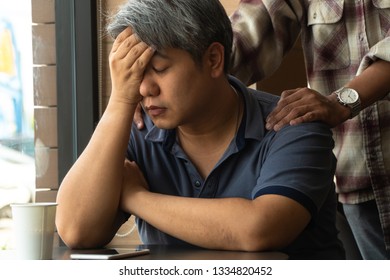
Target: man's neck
206	143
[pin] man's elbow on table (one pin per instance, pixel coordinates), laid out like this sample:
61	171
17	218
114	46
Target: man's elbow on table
272	228
258	241
79	237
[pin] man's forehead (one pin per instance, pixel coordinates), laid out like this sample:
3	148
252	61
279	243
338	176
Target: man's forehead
170	53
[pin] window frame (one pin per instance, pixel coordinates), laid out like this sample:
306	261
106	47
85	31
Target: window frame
77	78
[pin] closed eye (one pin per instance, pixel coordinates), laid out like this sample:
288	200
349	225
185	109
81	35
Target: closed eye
159	70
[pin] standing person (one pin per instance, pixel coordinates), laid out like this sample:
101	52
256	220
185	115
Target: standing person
346	45
203	171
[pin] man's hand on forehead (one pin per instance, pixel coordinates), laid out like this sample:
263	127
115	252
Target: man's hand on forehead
129	58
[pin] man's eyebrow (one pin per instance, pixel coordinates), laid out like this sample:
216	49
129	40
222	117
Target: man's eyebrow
161	54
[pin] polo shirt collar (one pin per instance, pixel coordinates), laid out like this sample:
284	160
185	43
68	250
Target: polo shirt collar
253	121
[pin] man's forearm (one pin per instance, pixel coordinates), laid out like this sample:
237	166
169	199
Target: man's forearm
373	83
89	194
225	223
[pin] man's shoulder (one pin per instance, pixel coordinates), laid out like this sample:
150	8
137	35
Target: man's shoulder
310	133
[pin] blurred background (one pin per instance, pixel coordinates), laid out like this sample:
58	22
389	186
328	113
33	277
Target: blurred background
17	164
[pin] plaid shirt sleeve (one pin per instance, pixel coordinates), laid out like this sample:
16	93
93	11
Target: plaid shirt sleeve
263	32
381	50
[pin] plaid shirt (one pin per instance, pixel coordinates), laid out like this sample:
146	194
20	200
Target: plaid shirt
340	38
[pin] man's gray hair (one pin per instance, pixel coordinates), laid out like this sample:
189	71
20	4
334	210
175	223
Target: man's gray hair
190	25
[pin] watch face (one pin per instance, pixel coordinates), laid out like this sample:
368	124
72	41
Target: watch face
349	96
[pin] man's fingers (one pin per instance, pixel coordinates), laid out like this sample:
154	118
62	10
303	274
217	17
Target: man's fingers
138	120
291	114
121	37
289	92
292	104
281	115
287	99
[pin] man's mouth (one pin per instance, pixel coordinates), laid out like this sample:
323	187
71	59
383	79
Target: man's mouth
155	111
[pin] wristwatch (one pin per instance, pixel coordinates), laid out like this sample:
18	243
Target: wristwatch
350	98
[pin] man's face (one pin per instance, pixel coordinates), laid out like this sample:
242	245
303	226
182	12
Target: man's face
175	89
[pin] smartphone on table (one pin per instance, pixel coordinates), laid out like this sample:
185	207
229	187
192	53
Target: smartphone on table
108	254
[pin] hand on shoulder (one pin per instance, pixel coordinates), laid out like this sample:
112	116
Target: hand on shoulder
306	105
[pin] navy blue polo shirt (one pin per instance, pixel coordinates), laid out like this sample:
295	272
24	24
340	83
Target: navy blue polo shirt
296	162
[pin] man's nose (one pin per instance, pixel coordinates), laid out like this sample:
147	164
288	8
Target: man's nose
148	87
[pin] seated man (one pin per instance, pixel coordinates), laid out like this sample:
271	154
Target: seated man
204	171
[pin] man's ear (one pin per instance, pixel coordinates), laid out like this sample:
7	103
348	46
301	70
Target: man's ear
215	55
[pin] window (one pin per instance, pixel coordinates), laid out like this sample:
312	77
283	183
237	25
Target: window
17	164
77	67
48	96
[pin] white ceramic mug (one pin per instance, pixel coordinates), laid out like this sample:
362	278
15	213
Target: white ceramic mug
34	225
